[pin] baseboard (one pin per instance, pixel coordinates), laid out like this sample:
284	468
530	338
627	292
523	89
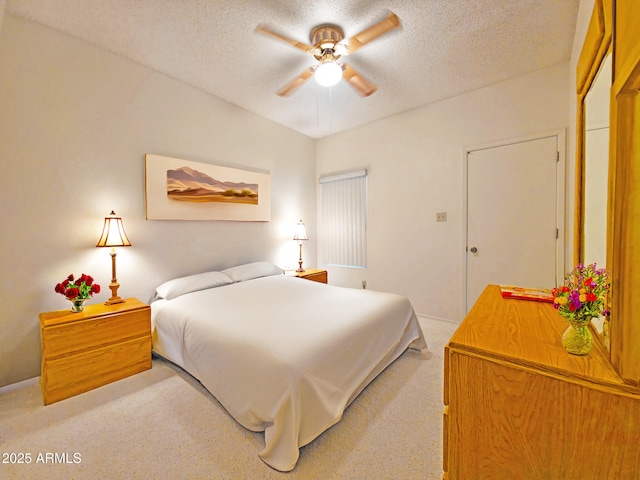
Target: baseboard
428	317
17	385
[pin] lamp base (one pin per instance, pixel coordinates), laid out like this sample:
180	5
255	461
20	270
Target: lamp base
114	300
113	286
300	269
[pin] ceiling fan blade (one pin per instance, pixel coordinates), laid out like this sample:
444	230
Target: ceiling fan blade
296	83
352	44
363	86
299	45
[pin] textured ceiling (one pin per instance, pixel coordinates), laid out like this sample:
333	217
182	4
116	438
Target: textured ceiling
442	49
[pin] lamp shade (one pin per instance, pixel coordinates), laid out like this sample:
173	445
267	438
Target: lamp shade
328	73
113	233
301	232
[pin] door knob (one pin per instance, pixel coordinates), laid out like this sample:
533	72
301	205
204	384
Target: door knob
474	250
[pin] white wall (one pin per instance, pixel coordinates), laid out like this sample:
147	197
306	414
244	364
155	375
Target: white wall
415	170
75	123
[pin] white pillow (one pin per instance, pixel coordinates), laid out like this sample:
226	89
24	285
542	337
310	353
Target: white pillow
252	270
191	283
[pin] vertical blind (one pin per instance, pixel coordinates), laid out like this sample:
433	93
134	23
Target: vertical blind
343	219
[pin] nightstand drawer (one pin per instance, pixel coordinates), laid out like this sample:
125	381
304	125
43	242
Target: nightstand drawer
74	374
314	275
86	334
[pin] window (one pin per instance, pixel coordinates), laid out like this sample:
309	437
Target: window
343	219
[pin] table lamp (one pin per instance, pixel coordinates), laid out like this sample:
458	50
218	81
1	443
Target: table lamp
113	236
300	235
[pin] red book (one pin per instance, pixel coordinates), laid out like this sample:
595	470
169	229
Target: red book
521	293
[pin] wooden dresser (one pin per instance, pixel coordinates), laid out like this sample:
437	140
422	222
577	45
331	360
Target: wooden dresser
314	275
101	344
518	406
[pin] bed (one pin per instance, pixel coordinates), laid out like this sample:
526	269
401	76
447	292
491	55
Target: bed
283	355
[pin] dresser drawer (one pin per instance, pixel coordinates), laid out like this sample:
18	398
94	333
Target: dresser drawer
91	333
79	373
445	441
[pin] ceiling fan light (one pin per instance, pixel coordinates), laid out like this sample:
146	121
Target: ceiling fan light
328	74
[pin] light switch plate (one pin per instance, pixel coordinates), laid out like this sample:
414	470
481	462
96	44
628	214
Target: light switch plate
441	217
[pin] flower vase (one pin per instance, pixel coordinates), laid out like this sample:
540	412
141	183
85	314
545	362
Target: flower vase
577	338
77	304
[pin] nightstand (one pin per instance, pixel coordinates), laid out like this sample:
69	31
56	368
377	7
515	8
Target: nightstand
313	274
101	344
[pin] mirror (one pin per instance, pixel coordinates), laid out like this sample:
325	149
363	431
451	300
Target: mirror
621	333
596	172
593	81
596	167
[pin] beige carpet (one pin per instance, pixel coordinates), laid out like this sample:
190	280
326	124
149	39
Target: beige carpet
162	424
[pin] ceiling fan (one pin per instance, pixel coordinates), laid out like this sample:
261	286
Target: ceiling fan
329	45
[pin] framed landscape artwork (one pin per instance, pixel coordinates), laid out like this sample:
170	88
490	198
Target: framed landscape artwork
178	189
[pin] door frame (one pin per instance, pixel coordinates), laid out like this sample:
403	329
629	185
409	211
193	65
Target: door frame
560	135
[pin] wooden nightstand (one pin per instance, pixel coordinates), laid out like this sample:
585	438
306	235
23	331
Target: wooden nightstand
101	344
313	274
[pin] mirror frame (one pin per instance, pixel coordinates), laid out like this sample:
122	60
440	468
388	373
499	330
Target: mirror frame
613	28
597	45
623	233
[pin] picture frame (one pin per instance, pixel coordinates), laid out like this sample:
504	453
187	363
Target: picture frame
177	189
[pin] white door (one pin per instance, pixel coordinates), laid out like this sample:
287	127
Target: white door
511	216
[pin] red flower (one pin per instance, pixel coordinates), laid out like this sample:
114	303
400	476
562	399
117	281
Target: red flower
80	288
564	289
591	297
72	292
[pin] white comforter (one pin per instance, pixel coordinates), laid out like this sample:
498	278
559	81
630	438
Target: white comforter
284	355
